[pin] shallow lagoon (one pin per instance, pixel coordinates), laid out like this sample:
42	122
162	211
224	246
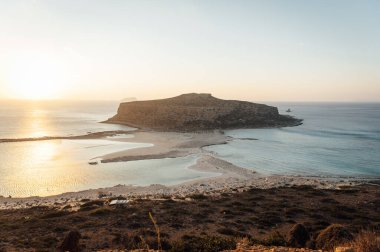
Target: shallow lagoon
45	168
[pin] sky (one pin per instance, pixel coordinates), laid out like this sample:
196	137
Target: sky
268	50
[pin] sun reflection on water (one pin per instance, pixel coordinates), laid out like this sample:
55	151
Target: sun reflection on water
44	151
38	123
55	166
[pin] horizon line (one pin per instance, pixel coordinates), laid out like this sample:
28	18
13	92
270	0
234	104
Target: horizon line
120	100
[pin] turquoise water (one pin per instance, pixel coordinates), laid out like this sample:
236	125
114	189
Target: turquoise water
336	139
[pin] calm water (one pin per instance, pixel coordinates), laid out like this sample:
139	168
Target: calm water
36	119
51	167
335	140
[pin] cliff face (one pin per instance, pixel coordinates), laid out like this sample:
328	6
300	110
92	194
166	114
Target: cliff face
192	112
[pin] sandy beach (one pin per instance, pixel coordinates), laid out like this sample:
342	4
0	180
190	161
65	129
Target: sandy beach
167	145
228	177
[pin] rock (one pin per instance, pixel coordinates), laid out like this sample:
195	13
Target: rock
71	242
333	236
194	112
298	236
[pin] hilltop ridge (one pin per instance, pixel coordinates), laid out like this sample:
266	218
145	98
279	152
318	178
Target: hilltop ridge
192	112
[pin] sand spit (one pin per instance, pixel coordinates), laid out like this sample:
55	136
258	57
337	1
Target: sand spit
90	135
167	145
228	177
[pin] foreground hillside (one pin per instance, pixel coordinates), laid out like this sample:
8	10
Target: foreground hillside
197	222
192	112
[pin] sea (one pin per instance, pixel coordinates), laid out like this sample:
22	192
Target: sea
335	140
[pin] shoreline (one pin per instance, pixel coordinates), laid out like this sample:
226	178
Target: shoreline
232	179
229	177
208	186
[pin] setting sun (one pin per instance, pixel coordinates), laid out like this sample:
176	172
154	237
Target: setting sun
35	78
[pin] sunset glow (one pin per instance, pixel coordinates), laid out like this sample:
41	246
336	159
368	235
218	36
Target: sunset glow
35	78
250	50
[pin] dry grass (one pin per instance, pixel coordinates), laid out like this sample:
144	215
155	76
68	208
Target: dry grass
366	241
157	228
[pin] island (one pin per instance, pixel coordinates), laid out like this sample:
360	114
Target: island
195	112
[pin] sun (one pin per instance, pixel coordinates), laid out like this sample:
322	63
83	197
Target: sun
36	78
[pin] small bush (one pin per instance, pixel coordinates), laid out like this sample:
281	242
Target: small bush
101	212
141	239
50	241
133	241
55	214
117	198
71	242
198	196
293	211
91	205
226	231
332	236
275	239
298	236
269	219
102	194
203	244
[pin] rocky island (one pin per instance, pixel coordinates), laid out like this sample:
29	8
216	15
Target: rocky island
194	112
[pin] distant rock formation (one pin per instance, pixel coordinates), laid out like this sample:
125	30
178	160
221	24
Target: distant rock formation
194	112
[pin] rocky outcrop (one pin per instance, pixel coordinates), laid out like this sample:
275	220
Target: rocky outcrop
193	112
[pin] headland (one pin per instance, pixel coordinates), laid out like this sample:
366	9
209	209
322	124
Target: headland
197	112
